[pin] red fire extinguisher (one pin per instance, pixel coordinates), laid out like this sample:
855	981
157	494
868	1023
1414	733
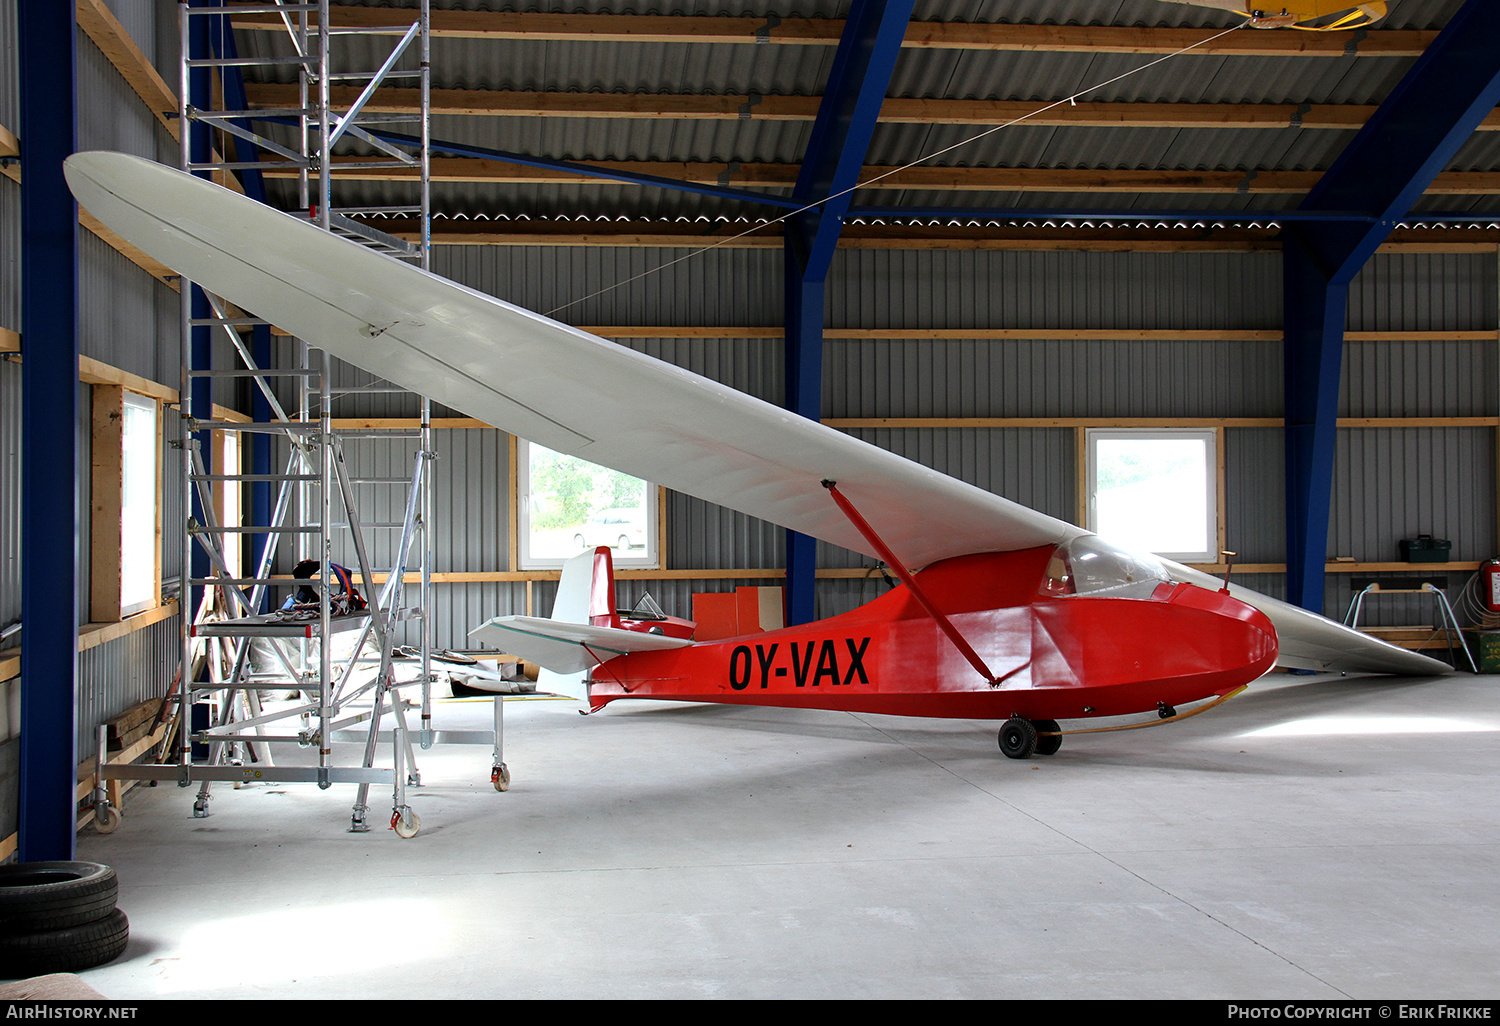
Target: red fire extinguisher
1489	584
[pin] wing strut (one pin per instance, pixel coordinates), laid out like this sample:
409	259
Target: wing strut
864	528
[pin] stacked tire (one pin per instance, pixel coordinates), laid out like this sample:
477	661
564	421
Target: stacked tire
58	917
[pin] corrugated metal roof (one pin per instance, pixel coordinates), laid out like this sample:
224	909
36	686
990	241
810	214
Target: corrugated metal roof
562	67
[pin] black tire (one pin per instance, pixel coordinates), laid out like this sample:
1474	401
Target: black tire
65	951
1018	738
39	896
1049	737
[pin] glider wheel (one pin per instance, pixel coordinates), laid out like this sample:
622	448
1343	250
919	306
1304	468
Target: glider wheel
1165	711
1018	738
1049	737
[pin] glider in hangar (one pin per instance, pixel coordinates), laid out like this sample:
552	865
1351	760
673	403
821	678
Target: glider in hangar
1002	612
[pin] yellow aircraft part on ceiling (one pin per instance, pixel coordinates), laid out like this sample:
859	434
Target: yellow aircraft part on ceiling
1308	15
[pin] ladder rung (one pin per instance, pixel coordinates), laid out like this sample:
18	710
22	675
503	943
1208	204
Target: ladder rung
202	529
245	582
356	76
359	165
247	165
245	62
371	30
255	477
232	321
253	426
245	373
261	113
256	9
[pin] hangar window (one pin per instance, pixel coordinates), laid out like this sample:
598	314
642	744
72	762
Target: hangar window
567	505
125	556
228	498
1155	490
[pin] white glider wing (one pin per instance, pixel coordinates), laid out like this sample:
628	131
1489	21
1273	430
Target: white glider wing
576	393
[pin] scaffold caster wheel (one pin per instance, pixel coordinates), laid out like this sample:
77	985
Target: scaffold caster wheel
106	819
500	777
405	822
357	823
200	808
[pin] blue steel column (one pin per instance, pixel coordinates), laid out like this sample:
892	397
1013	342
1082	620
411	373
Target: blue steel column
197	393
1313	351
1374	182
804	396
50	519
836	148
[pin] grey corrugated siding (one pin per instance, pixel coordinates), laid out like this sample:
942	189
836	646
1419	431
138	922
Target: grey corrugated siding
887	288
1396	483
10	254
1425	292
111	116
1254	520
119	673
126	318
10	492
1051	378
720	287
10	67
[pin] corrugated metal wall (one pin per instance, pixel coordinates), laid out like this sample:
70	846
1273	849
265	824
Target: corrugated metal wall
10	254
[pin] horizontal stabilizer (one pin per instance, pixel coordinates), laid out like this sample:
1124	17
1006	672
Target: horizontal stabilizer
566	647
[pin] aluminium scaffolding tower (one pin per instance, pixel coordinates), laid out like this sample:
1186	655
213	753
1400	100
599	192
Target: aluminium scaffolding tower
230	632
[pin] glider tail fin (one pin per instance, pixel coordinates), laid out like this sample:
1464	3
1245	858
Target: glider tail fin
586	590
585	594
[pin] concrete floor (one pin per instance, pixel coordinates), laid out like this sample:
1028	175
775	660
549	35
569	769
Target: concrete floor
1315	838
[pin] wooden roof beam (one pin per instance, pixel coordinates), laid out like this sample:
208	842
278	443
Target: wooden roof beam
945	179
630	28
896	109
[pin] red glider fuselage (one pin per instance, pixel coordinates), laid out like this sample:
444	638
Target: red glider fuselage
1054	650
